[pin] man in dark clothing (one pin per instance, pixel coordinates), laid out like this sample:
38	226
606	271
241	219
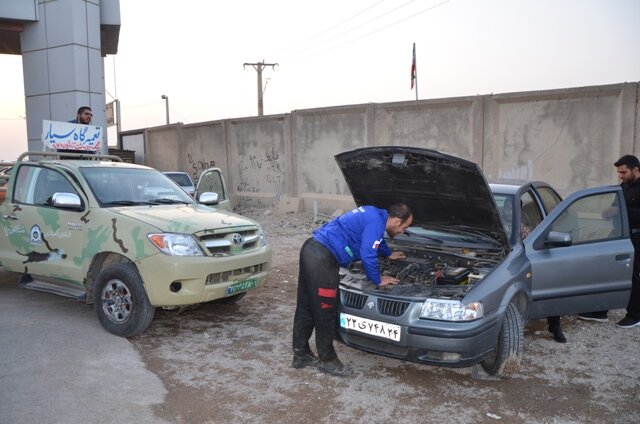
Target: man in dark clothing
355	235
628	169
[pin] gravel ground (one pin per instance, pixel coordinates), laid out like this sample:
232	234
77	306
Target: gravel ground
230	364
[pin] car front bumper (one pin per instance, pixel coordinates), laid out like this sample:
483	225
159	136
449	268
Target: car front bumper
450	344
203	278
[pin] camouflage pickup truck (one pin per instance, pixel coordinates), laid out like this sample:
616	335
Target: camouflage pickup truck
124	238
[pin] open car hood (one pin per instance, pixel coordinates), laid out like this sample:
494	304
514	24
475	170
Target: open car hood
440	189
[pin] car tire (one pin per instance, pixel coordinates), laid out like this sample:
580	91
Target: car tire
231	300
507	353
121	302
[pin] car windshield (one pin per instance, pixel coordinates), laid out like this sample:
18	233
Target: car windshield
181	178
132	186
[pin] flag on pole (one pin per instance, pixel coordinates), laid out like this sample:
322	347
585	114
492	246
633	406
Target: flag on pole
414	76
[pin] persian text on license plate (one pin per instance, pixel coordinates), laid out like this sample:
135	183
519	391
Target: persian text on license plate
369	326
241	286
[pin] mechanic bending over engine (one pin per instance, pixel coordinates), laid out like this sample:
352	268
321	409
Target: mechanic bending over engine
355	235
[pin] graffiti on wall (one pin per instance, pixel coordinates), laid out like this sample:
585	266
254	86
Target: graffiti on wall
257	168
197	166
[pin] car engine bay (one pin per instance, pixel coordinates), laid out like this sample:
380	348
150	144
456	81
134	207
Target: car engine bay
437	273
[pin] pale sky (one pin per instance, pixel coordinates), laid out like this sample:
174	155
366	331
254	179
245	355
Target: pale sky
333	53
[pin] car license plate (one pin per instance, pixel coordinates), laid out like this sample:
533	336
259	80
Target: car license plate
371	327
241	286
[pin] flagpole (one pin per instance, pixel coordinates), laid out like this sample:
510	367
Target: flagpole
416	66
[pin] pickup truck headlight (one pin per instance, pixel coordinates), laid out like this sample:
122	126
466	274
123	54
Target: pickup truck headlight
451	310
176	244
263	239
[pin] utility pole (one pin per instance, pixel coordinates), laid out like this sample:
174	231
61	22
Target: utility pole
259	67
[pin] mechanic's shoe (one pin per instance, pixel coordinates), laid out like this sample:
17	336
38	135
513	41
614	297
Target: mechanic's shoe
335	368
628	322
558	335
304	359
594	316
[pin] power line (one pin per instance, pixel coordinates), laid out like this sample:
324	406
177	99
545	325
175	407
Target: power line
295	47
383	28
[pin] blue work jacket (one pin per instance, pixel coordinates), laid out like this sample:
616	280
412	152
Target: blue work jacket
357	235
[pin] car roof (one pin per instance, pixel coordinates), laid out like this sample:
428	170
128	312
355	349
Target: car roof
71	163
513	186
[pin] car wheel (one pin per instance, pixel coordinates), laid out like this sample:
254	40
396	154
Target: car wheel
121	302
231	300
508	351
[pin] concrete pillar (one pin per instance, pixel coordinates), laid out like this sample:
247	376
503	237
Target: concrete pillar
63	65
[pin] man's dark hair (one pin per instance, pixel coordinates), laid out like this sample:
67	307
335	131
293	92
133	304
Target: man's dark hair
629	161
82	109
399	210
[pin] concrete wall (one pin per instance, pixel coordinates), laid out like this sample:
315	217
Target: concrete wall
569	138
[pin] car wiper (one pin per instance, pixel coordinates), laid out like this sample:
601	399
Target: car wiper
124	203
166	201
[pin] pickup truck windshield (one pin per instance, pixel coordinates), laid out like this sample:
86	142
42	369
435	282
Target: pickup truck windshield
131	187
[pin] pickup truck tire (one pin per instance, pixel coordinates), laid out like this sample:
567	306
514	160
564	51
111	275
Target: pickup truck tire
121	302
508	351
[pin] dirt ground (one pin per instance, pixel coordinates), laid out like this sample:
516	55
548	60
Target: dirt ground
231	364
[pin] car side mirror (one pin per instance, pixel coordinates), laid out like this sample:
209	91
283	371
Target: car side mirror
208	198
66	201
558	239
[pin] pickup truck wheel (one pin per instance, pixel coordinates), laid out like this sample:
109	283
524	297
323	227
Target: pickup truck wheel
508	351
121	302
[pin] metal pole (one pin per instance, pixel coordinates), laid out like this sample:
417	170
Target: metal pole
166	103
118	126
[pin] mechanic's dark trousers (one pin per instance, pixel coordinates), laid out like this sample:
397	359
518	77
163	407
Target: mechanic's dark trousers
317	300
633	307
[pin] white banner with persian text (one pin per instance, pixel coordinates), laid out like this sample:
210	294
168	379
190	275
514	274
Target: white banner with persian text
69	136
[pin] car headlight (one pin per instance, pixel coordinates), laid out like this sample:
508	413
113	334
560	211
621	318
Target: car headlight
176	244
263	239
451	310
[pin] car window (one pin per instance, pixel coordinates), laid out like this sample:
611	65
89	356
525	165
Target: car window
531	215
504	202
119	185
36	185
584	220
550	198
212	181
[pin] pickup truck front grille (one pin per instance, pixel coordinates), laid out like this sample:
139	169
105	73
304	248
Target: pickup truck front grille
222	277
231	243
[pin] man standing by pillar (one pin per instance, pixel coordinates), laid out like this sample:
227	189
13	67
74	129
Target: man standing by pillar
83	116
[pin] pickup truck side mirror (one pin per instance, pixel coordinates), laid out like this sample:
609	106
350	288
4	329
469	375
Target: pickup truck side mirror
208	198
558	239
66	201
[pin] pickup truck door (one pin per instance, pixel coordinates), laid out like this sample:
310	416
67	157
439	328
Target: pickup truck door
590	270
37	238
212	180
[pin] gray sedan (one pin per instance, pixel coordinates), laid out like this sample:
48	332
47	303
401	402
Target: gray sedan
481	259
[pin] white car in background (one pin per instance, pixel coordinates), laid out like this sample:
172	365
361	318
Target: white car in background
183	180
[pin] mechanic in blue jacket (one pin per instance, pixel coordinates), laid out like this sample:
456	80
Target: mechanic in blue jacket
355	235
